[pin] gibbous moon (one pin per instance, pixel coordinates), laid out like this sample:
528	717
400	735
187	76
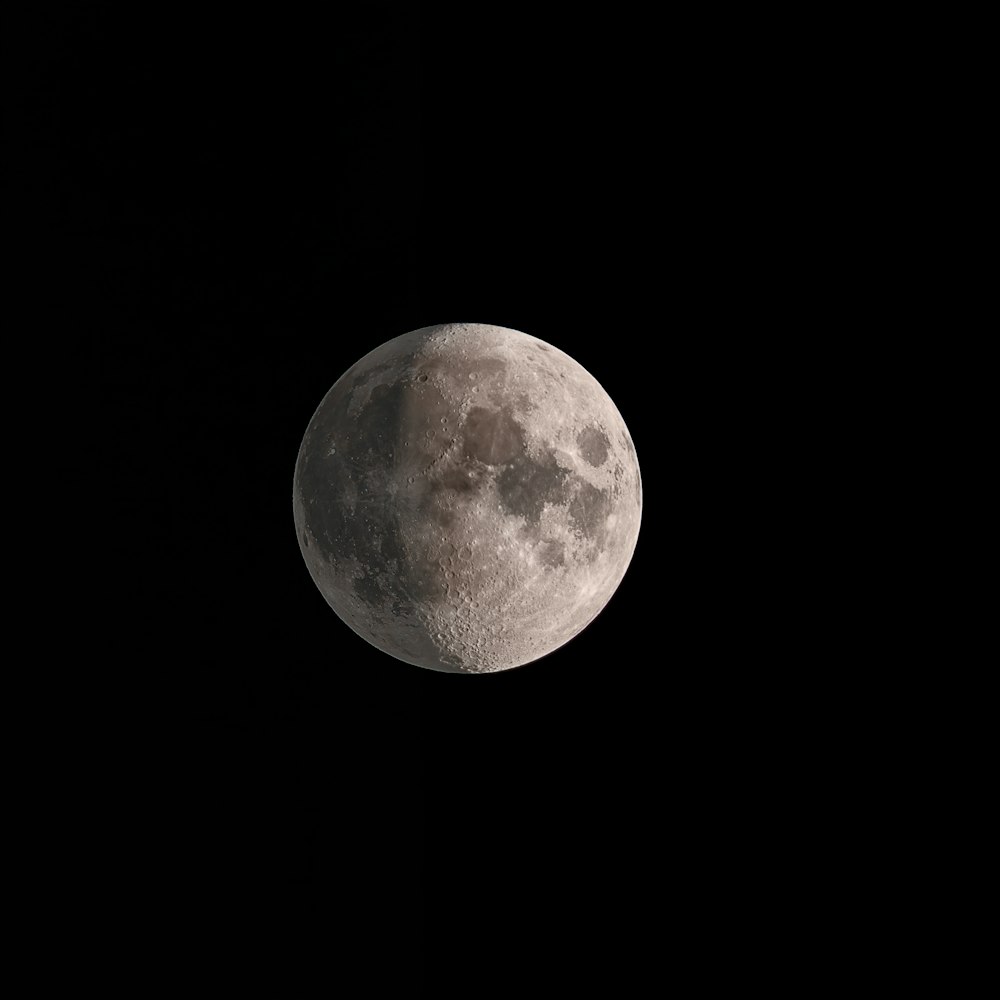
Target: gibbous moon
467	498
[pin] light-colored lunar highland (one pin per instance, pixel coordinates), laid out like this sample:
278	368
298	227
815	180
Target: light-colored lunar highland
467	498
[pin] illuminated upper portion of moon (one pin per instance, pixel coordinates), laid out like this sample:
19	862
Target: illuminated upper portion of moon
467	498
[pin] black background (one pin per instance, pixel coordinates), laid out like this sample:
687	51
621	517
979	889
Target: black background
235	207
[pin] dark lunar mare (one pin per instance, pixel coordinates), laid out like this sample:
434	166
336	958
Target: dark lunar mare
527	485
588	510
344	492
594	444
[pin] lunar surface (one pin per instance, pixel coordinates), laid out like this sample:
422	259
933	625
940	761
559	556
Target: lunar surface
467	498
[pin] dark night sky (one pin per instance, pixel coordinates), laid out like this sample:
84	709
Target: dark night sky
236	209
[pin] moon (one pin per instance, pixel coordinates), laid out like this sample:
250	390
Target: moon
467	498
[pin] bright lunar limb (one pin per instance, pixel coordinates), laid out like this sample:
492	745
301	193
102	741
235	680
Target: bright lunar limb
467	498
